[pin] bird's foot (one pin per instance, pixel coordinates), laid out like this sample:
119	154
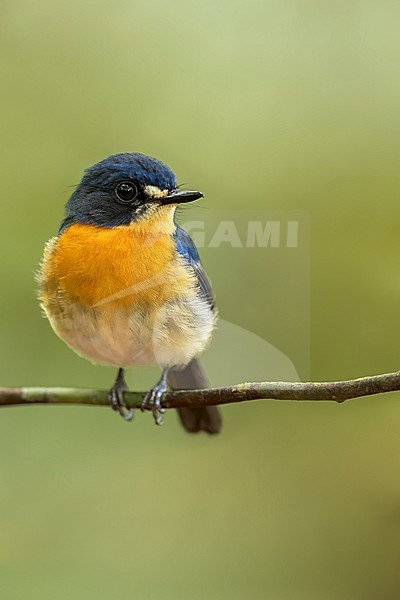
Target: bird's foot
152	400
116	397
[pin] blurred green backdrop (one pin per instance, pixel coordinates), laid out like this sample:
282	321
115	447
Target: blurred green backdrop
262	105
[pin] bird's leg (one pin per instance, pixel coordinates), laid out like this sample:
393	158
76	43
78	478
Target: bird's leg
152	399
116	397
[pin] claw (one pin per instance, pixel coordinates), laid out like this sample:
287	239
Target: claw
152	399
116	397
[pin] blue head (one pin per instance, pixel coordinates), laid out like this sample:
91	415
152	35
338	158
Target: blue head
123	188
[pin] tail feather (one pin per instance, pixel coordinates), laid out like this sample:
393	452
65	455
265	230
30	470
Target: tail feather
206	419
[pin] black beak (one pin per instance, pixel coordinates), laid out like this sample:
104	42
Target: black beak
181	196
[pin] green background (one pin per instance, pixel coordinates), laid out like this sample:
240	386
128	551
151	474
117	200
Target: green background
274	105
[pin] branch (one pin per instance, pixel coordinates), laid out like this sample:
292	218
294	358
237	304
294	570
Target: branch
333	391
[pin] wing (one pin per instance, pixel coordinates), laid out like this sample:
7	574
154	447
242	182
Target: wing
187	249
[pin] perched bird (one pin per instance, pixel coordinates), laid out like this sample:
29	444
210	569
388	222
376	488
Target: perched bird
122	283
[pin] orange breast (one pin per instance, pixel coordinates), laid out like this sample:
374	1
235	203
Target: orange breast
123	266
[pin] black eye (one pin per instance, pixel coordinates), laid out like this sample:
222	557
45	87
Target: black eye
126	192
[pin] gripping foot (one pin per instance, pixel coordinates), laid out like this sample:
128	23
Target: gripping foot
152	400
116	397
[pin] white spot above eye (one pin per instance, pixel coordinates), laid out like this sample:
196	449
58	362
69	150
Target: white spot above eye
154	192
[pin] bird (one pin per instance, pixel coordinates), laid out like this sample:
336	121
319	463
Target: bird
122	282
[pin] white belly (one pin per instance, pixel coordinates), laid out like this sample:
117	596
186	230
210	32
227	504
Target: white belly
170	336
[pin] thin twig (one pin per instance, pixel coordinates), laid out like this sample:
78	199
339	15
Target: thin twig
334	391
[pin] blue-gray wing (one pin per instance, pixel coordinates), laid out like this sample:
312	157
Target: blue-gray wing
187	249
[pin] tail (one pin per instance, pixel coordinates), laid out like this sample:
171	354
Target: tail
206	419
